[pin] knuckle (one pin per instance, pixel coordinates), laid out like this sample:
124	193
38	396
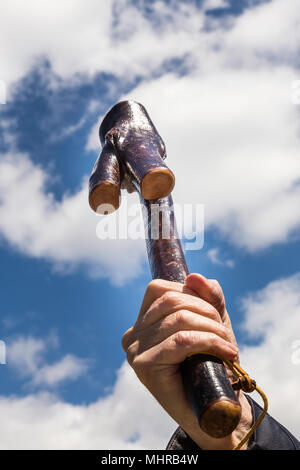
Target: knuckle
154	285
213	340
216	284
170	298
141	368
180	317
182	338
223	331
174	321
137	364
131	353
126	339
214	314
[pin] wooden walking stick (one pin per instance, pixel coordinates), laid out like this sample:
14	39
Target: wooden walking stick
132	157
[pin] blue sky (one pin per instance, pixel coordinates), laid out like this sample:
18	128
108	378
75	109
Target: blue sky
218	89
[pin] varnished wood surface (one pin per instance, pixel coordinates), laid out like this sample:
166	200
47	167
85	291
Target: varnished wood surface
207	386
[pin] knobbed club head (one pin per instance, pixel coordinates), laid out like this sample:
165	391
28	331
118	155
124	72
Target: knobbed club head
132	158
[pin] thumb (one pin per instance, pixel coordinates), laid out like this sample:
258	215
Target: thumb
207	289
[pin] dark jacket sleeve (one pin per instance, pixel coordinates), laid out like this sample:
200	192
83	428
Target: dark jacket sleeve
270	435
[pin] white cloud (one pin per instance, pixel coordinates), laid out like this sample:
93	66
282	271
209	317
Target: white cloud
233	121
93	142
230	118
92	36
130	418
69	367
27	356
210	4
215	257
273	315
69	130
232	137
269	31
62	232
114	36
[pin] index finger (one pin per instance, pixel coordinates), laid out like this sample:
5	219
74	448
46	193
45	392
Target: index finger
157	288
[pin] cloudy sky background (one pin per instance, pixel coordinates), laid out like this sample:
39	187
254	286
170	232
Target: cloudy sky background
216	77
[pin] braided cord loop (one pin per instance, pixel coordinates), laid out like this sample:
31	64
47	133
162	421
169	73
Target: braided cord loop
247	385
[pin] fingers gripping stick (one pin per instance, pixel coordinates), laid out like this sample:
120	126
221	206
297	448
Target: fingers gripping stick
132	157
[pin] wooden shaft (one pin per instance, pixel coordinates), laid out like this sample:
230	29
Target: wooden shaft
206	383
164	249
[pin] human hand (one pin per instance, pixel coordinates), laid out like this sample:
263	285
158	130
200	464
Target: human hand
175	321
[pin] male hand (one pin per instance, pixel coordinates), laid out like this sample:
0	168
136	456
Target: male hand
175	321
